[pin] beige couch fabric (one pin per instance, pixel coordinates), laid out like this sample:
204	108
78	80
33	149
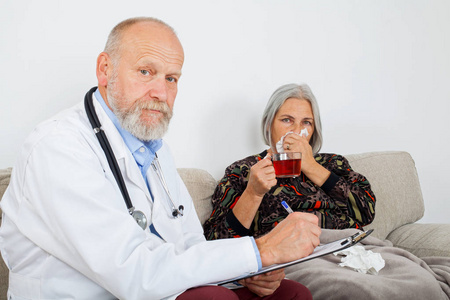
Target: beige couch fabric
4	181
395	182
423	240
200	185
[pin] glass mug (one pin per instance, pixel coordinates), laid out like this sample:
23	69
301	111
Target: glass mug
287	164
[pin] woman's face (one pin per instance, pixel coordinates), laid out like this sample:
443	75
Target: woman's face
294	115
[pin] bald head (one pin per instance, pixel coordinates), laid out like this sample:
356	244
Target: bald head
114	43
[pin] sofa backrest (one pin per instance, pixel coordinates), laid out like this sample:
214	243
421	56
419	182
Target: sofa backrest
201	186
395	183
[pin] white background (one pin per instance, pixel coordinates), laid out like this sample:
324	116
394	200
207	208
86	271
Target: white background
380	70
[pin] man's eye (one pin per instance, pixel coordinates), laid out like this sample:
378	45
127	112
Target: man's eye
145	72
171	79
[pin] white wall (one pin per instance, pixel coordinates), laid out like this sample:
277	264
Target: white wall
380	70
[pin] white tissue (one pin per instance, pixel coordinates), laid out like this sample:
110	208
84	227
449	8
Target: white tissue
361	260
279	145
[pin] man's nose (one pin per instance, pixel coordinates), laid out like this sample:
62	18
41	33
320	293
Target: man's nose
158	89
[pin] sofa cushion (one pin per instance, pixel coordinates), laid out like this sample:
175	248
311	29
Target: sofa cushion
423	240
394	180
201	186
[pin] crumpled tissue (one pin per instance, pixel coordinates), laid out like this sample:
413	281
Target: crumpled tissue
304	132
361	260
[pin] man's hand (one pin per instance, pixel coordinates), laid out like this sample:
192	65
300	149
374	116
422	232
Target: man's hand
264	284
295	237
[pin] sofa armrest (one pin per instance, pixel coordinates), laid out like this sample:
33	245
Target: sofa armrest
423	240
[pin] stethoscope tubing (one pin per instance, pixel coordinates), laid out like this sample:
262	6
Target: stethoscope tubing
104	143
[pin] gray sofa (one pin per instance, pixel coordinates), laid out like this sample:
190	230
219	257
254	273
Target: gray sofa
394	180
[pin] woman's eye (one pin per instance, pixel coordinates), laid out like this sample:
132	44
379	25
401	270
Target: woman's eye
145	72
286	120
307	123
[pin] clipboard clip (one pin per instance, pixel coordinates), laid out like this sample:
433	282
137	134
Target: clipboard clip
354	239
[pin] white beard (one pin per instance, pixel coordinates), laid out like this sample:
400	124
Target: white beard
130	118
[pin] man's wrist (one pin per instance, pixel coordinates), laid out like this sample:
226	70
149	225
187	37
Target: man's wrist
257	253
265	253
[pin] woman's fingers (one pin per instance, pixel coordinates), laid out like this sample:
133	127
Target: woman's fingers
262	176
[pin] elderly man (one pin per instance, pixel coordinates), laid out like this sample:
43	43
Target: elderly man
66	233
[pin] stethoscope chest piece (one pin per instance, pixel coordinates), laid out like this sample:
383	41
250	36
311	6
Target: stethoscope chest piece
139	217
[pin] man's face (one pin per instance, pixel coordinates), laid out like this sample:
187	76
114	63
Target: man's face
142	88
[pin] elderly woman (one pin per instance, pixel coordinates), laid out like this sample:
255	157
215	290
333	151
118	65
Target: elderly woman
248	199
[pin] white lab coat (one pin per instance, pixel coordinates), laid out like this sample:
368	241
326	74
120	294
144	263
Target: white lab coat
67	234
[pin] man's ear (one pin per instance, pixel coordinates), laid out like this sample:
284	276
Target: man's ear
104	68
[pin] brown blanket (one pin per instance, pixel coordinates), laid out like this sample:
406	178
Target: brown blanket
405	276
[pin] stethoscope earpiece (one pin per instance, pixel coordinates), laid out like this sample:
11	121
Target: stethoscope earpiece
178	212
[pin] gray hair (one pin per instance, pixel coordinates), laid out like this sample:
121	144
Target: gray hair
297	91
113	44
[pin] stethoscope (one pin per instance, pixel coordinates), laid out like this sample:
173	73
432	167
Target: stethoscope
137	215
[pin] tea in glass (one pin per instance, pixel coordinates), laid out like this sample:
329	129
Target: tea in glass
287	164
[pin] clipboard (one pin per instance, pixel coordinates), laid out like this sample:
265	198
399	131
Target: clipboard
320	250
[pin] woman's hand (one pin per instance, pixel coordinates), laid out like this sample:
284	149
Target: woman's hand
262	177
310	167
264	284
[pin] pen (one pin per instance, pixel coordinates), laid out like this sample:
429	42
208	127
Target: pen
287	207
